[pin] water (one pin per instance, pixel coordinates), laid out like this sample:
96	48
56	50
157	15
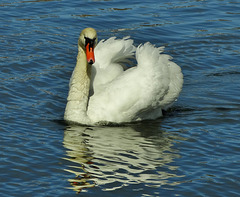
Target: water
192	151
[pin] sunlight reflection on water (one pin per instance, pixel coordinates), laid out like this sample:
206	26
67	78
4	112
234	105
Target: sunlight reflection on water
118	156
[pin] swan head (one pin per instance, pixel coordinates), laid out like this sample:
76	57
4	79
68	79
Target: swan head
88	41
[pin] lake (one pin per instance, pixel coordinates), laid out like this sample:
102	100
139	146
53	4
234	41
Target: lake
193	150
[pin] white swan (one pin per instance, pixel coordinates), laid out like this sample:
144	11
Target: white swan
107	91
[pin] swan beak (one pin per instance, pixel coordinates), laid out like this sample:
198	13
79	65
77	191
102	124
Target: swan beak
90	54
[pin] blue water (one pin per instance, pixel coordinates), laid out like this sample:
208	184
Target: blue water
192	151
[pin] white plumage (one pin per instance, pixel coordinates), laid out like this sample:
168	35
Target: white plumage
118	93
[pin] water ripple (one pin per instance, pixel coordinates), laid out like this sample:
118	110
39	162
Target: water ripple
192	150
117	157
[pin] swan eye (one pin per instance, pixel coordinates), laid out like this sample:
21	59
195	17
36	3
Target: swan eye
89	41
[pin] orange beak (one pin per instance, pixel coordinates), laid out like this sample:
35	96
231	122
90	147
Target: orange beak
90	54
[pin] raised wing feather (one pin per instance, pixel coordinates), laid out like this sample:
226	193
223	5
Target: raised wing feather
137	93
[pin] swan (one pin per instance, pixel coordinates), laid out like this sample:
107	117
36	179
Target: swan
104	87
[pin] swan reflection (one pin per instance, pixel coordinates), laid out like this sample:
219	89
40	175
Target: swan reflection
113	157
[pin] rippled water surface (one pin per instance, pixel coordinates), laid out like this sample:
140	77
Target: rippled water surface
192	151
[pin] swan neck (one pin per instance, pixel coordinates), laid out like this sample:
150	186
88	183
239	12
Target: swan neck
78	96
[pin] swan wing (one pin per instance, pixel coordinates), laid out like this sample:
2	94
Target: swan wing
111	57
175	85
139	92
